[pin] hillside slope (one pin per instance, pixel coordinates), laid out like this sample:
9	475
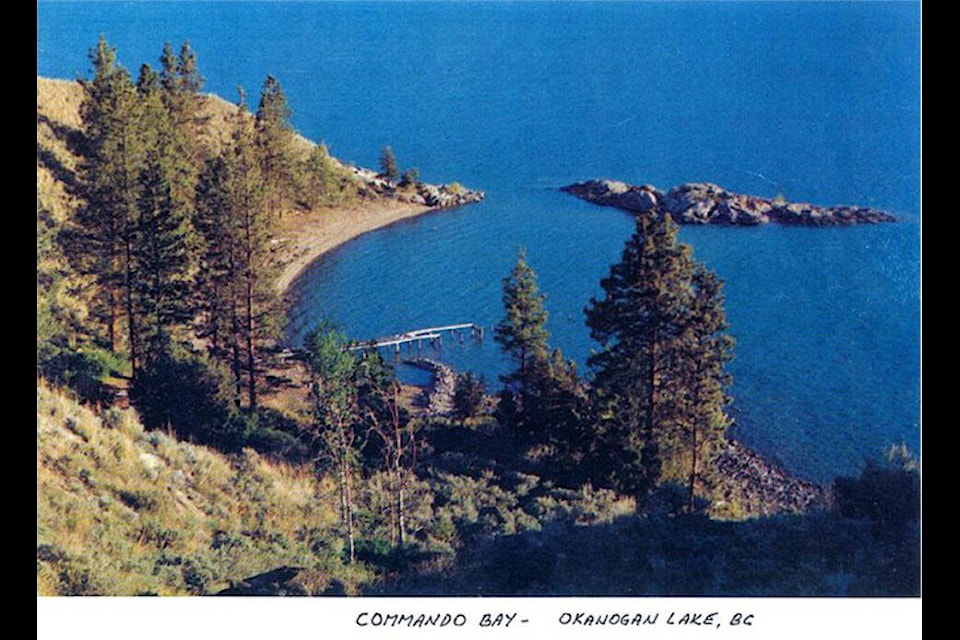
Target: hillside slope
367	201
121	511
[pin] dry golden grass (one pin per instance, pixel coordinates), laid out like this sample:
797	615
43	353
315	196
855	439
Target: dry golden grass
60	100
58	119
122	511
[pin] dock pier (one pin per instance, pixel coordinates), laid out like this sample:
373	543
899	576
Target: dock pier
434	336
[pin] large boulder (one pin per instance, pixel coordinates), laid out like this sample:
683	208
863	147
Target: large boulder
613	193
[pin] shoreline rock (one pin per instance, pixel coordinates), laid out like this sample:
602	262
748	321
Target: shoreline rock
442	196
437	397
764	487
706	203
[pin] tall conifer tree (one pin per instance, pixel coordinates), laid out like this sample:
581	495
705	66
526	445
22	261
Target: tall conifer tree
251	299
704	350
274	141
388	164
164	248
181	85
543	397
112	159
659	382
216	257
522	334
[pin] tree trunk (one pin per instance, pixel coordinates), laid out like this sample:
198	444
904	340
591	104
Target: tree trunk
399	479
237	360
347	492
131	311
251	355
112	328
401	516
349	499
691	504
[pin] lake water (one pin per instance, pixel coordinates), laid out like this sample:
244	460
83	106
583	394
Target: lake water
815	101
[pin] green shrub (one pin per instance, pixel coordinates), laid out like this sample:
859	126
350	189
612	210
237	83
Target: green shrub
78	581
468	396
85	370
137	500
410	177
198	576
189	394
887	494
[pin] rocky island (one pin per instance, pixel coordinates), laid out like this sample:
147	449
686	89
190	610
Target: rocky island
705	203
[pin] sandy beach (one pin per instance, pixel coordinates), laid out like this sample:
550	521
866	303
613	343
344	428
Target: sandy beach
305	237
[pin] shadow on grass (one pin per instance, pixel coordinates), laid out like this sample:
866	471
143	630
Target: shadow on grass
820	554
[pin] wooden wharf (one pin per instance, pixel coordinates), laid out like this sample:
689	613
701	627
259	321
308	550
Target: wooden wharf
433	335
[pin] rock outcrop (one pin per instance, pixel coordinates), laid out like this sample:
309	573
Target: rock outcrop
705	203
763	487
444	196
437	399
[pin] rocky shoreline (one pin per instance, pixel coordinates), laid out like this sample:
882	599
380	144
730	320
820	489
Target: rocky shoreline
705	203
768	489
437	397
759	486
443	196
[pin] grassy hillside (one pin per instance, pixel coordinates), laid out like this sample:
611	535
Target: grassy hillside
124	512
59	132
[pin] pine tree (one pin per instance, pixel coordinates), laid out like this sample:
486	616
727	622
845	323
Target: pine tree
250	297
388	164
555	411
238	304
522	335
321	178
660	380
103	245
182	83
703	353
543	399
164	242
274	140
216	258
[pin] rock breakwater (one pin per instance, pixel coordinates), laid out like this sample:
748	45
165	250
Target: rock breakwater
437	398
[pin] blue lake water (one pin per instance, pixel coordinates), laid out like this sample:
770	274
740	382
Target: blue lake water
815	101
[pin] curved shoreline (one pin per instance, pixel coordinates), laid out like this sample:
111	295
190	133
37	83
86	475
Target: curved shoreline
304	237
